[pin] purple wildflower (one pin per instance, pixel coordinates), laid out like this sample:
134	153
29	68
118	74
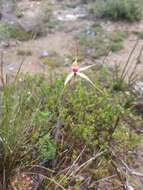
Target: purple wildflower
45	53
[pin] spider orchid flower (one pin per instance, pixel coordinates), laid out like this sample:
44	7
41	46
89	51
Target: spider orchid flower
76	70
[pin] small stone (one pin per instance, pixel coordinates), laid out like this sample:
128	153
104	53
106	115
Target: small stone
4	44
139	88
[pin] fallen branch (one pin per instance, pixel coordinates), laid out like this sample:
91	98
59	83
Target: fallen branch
85	164
132	172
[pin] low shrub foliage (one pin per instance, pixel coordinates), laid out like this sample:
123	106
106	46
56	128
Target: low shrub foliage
130	10
44	122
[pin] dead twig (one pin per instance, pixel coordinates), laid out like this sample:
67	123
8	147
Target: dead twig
52	180
85	164
73	165
131	171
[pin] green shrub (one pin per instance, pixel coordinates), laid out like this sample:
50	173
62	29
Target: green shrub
119	9
102	42
47	148
31	109
138	34
116	46
19	13
16	32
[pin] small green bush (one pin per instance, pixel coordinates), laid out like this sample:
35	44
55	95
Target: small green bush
102	42
138	34
19	13
116	40
130	10
16	32
47	148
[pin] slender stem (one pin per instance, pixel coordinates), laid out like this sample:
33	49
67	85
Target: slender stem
1	70
19	69
124	72
135	66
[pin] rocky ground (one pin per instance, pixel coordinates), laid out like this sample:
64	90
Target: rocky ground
59	39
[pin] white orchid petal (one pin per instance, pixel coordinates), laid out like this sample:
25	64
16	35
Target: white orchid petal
69	77
87	67
86	78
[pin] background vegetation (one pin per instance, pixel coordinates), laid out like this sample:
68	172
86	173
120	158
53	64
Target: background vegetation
118	9
41	127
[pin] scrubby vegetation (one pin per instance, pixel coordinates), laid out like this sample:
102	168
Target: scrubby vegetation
16	32
118	9
66	131
92	43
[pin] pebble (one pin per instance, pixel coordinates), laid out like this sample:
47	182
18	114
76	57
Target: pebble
139	88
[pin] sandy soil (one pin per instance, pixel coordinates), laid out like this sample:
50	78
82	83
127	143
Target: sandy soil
62	42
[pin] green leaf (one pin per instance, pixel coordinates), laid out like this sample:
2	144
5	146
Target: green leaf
85	77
